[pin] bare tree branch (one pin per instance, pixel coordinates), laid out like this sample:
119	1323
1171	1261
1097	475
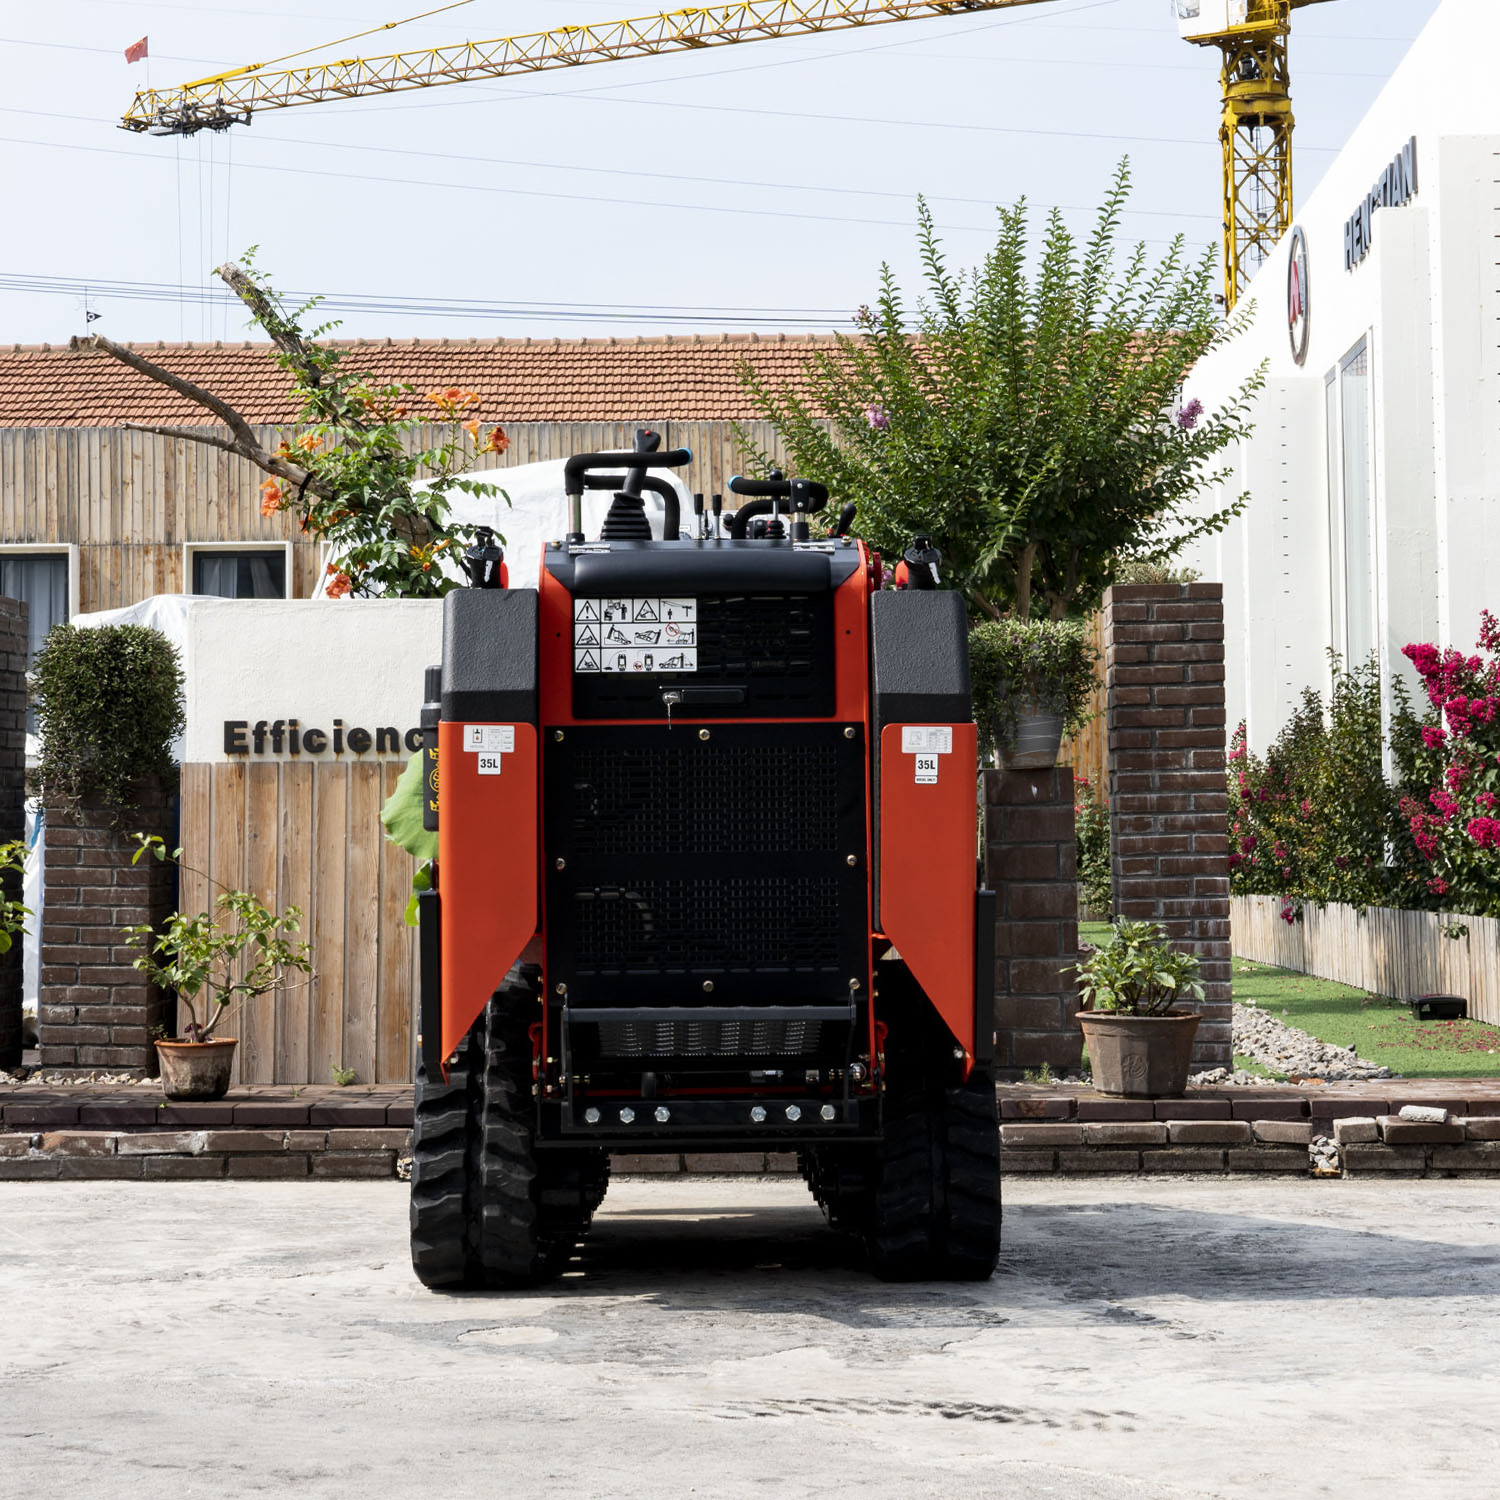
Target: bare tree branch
243	442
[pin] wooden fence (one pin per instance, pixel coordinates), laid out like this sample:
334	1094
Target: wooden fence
309	835
1388	952
1088	750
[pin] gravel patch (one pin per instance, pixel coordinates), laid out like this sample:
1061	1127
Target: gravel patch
1285	1049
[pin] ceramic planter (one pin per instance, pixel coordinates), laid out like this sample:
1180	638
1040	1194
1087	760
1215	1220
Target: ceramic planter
196	1070
1144	1055
1037	739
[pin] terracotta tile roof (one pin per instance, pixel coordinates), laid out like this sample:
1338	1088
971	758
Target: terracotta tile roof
682	378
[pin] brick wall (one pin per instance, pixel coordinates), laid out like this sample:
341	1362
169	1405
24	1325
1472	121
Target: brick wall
1031	864
97	1011
1164	648
12	803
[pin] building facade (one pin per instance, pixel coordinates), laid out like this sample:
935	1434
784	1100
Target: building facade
1374	468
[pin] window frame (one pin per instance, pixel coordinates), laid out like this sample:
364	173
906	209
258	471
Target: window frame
51	549
191	550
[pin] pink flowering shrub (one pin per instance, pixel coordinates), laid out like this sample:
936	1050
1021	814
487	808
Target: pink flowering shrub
1450	772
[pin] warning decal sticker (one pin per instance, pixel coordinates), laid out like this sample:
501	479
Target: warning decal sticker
635	635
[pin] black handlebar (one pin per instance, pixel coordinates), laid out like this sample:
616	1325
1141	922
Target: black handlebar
579	465
804	494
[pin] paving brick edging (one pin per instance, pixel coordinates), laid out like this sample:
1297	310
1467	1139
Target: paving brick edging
83	1132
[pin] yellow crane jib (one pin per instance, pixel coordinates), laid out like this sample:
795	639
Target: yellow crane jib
232	97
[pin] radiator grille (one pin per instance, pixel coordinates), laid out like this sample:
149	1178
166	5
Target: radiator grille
655	926
694	798
700	871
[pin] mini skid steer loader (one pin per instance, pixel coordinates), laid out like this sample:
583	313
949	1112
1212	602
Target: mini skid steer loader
706	881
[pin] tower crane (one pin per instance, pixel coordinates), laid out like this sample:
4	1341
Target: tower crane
1255	128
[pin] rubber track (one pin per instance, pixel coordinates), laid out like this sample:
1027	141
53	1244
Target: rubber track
486	1209
532	1208
441	1252
936	1211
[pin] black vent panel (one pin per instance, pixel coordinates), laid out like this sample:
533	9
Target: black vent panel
682	870
685	796
707	1038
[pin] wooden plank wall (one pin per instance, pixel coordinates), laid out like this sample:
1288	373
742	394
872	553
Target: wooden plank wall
309	835
129	500
1384	951
1088	750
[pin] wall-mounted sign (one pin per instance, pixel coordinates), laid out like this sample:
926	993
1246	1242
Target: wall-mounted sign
1298	306
288	737
1396	185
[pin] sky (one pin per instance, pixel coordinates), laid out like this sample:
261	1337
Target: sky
756	187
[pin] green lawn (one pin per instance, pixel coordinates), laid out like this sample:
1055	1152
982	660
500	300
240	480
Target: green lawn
1383	1031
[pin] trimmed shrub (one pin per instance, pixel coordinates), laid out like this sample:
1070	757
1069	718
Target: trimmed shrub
1048	663
108	705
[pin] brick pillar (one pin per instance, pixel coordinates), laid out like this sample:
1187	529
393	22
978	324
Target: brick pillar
1030	861
1169	848
97	1011
12	804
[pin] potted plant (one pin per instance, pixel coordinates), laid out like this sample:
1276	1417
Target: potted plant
214	961
1138	1044
1032	682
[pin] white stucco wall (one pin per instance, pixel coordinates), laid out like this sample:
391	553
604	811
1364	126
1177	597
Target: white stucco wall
1427	297
358	661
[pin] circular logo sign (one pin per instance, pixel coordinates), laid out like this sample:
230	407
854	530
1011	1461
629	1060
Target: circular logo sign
1298	305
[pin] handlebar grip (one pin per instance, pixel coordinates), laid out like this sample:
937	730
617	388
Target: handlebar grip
580	463
806	494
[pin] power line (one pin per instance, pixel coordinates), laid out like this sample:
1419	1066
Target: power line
471	187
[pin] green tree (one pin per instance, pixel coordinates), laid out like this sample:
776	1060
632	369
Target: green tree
357	473
1028	422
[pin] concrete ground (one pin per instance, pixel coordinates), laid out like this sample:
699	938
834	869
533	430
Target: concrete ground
1143	1339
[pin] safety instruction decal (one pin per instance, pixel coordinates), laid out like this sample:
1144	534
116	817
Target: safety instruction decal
635	635
489	743
925	743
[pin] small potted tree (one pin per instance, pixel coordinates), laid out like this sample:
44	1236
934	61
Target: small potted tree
1138	1043
214	961
1032	681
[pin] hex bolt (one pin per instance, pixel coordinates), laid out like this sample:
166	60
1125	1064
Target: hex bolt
828	1112
592	1116
793	1112
663	1114
627	1116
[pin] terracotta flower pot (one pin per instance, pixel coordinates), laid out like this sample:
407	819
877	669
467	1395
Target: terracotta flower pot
1145	1055
196	1070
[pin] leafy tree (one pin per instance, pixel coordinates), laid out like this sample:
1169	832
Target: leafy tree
356	474
1027	423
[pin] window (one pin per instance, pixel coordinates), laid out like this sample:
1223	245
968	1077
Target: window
258	573
1359	557
1335	561
42	581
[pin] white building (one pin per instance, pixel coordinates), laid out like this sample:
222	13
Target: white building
1374	469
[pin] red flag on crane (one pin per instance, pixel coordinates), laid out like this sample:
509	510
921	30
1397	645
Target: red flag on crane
136	51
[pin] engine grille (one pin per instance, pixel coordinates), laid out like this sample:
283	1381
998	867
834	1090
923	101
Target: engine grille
690	1039
705	871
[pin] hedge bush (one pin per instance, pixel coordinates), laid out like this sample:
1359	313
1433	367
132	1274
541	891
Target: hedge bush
1048	663
108	705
